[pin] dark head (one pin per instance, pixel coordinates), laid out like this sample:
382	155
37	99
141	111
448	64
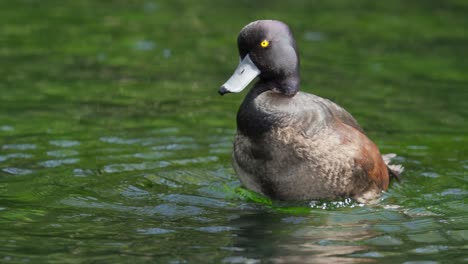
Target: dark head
267	49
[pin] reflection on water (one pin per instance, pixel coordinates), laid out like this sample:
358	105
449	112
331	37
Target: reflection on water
308	242
115	147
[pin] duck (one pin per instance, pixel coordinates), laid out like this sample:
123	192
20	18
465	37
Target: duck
292	145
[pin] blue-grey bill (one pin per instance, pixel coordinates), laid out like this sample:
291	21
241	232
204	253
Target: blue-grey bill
245	72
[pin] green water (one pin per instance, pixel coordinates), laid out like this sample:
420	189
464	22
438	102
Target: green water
115	146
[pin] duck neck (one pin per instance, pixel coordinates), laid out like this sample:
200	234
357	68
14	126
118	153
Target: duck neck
256	113
288	85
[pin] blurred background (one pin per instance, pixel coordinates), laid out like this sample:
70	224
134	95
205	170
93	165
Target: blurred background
115	145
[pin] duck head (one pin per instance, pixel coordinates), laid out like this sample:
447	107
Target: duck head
267	49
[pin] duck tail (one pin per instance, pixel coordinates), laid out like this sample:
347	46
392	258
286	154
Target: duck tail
394	170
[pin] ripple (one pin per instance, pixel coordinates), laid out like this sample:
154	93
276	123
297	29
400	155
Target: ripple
195	160
428	237
166	130
294	220
417	212
221	147
421	262
166	210
7	128
152	155
163	181
238	259
430	249
19	146
62	153
57	163
121	141
146	141
202	219
155	231
176	147
15	156
454	192
134	192
196	176
64	143
220	151
233	249
144	45
195	200
17	171
459	235
430	174
419	225
384	241
175	139
92	202
417	147
388	228
112	168
172	210
216	229
82	172
370	254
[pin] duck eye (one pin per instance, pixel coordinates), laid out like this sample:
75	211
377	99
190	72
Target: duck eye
264	43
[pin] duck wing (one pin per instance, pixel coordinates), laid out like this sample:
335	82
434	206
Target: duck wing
394	170
341	114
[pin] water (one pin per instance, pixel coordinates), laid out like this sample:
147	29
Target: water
115	147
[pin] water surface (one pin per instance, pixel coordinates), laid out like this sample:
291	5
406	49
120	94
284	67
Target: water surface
115	147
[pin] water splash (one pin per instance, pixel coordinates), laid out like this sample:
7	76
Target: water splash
331	205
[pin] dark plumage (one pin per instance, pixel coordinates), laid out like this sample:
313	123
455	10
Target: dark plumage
292	145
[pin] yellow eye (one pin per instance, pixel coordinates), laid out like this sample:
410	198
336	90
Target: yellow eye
264	43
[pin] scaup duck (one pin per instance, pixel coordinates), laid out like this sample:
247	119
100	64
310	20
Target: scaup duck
292	145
